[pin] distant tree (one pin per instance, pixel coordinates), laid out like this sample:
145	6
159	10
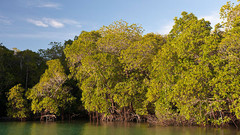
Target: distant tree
9	75
31	66
55	52
69	42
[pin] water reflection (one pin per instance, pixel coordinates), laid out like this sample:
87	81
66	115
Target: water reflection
9	128
103	128
119	128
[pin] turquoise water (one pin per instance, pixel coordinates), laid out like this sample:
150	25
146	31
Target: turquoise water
87	128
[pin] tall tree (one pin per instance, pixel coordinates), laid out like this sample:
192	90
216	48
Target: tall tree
31	66
9	75
179	74
118	36
226	83
50	95
84	46
101	73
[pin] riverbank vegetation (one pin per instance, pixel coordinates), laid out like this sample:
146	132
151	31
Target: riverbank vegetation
189	77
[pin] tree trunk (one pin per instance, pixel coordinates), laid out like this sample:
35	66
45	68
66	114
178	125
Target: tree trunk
62	117
93	117
62	114
112	105
131	107
97	116
26	85
125	115
21	65
90	116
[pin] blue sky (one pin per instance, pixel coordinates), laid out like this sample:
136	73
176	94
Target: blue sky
33	24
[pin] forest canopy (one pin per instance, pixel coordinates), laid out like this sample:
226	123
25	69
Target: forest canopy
190	76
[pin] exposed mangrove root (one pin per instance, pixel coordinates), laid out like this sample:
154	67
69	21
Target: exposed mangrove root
126	114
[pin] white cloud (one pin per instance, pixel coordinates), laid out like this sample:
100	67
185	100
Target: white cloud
5	20
41	4
37	23
166	28
49	5
72	22
54	23
214	18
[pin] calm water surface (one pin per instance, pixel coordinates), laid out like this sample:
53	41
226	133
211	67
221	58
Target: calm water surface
87	128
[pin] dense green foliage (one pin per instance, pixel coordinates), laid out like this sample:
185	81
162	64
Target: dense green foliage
18	67
49	94
190	76
17	104
195	76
